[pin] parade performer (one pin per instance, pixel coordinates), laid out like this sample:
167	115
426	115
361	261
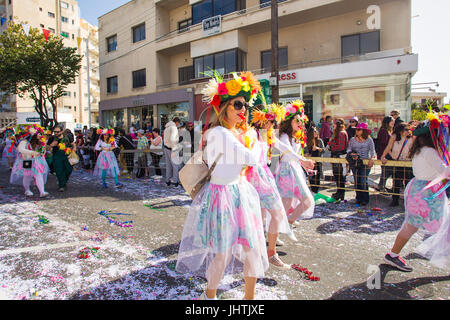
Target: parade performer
263	120
223	232
291	180
107	161
9	147
30	165
60	148
426	203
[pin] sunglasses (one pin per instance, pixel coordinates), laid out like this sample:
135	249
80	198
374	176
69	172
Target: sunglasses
238	105
57	131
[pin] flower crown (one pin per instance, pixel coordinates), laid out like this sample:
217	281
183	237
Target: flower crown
9	129
30	130
272	112
294	108
105	131
244	85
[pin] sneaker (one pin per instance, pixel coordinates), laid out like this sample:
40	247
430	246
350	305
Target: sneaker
119	185
276	262
168	183
176	184
44	194
105	185
292	236
62	189
204	297
397	262
29	193
279	243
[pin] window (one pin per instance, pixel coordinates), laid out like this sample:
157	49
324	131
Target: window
266	59
139	33
111	84
185	74
51	30
111	43
75	109
67	93
184	25
359	44
64	5
42	26
211	8
139	78
266	3
51	14
64	19
74	94
223	62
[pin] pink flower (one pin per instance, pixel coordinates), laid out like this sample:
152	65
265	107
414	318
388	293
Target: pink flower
433	226
418	206
222	89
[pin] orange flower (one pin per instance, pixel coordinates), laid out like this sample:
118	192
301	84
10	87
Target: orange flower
258	116
253	82
233	87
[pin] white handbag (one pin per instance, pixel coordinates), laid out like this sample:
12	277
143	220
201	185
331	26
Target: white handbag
195	173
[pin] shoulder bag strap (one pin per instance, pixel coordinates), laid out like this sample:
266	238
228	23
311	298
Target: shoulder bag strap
401	150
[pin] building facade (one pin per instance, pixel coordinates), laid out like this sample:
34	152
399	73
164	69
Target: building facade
435	98
344	58
61	17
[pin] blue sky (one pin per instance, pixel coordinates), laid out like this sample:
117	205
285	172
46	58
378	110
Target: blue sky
430	31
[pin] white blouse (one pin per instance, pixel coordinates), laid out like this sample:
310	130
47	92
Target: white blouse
427	165
291	151
235	156
101	144
27	154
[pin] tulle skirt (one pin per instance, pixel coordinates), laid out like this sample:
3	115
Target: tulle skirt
7	155
291	182
107	161
432	216
262	179
39	167
223	231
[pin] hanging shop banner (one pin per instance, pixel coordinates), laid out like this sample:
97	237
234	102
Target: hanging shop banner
212	26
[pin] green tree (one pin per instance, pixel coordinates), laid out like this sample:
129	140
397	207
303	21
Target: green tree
31	66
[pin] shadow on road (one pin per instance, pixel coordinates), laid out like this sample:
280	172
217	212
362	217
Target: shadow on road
390	291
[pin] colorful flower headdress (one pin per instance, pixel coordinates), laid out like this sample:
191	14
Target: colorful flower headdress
10	129
272	112
217	90
294	108
109	131
29	130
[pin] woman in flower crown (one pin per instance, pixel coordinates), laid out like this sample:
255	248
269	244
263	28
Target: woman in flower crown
9	147
291	180
107	162
223	232
263	120
30	165
426	203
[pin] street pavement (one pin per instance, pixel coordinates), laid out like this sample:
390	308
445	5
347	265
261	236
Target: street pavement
132	255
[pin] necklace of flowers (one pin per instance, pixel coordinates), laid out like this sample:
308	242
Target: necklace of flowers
308	274
62	146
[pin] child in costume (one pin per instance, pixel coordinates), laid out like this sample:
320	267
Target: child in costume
9	147
426	202
223	232
30	165
106	161
290	177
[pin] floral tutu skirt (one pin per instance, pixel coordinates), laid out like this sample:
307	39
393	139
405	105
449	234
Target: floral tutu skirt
39	167
107	161
431	215
291	182
262	179
224	224
7	155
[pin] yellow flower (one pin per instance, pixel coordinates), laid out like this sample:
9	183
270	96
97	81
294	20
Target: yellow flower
279	111
432	116
245	86
233	87
252	81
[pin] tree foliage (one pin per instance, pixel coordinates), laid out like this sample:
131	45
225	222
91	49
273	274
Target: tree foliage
31	66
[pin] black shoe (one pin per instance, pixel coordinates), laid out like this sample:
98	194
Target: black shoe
397	262
339	197
394	203
168	183
176	184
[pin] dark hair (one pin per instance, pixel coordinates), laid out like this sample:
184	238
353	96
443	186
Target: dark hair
156	130
327	117
424	140
58	126
121	130
385	124
176	119
104	135
286	127
34	141
399	129
340	126
310	137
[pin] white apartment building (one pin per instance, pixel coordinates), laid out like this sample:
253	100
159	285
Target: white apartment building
61	17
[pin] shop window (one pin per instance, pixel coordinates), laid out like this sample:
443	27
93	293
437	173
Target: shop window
139	78
223	62
111	43
359	44
185	74
51	14
266	59
138	33
112	85
210	8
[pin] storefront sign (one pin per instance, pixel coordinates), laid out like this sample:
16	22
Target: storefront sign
33	119
287	76
212	26
138	102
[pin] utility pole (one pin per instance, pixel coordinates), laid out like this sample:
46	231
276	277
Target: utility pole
274	38
88	81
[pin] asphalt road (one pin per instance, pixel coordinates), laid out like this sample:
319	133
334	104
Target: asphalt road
342	244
